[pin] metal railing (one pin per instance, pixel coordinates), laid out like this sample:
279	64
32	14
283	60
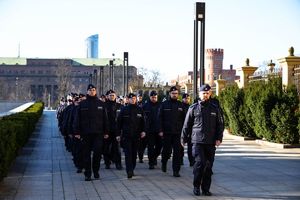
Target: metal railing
265	74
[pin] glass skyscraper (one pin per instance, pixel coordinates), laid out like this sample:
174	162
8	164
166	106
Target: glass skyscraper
92	46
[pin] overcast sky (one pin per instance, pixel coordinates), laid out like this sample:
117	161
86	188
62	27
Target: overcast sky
158	34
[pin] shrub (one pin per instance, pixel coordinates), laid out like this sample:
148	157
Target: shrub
14	133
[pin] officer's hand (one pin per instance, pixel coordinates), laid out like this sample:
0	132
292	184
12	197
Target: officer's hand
77	136
118	138
143	134
218	142
106	136
182	143
161	134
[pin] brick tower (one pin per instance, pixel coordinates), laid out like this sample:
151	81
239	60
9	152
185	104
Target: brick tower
214	65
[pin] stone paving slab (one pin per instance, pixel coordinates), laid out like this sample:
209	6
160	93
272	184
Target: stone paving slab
242	170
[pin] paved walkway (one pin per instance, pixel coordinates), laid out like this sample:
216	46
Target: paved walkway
242	170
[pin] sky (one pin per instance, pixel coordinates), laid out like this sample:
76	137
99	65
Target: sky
158	34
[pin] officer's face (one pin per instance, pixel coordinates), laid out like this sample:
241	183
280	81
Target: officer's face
204	95
92	92
186	100
132	100
153	99
140	98
174	94
112	97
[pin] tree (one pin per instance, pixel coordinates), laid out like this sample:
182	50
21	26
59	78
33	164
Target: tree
63	73
151	77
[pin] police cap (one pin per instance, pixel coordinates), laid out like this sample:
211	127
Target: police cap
90	86
173	88
130	95
205	87
153	93
110	92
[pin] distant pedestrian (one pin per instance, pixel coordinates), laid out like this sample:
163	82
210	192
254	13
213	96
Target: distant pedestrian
204	124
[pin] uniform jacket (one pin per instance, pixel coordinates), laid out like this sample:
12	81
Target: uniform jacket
113	110
203	123
131	121
151	116
171	117
91	117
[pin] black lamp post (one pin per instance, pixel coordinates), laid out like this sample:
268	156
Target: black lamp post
111	74
101	79
125	74
200	16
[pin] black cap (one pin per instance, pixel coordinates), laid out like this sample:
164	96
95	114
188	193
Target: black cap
90	86
205	87
81	95
110	92
130	95
153	93
185	95
173	88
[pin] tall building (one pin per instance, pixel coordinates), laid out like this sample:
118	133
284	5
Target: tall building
214	65
49	79
92	46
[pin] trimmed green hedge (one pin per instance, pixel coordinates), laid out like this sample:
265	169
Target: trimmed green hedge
14	133
263	110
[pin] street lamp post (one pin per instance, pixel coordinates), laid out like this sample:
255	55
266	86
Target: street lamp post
111	74
101	79
125	74
200	16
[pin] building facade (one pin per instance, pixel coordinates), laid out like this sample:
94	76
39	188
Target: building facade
92	46
212	71
49	79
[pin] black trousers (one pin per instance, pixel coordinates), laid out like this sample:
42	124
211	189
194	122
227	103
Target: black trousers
142	146
91	143
190	152
204	158
111	151
78	153
172	142
130	147
154	147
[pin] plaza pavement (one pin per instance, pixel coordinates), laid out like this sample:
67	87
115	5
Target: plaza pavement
242	170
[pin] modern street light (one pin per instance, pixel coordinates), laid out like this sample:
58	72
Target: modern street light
111	74
101	79
200	17
125	74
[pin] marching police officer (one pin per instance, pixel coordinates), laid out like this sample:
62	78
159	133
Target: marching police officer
153	139
91	124
204	124
186	104
111	145
171	118
131	127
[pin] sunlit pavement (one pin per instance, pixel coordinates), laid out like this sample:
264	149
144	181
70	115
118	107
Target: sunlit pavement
242	170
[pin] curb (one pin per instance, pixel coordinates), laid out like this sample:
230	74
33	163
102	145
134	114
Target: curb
277	145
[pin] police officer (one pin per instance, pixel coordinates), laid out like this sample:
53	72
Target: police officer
131	127
112	150
186	104
91	124
152	130
171	118
143	141
204	124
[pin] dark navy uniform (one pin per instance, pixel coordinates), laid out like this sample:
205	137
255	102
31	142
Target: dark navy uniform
91	123
152	130
204	124
112	151
131	124
171	118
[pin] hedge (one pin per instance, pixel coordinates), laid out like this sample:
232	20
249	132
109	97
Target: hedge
263	110
14	133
